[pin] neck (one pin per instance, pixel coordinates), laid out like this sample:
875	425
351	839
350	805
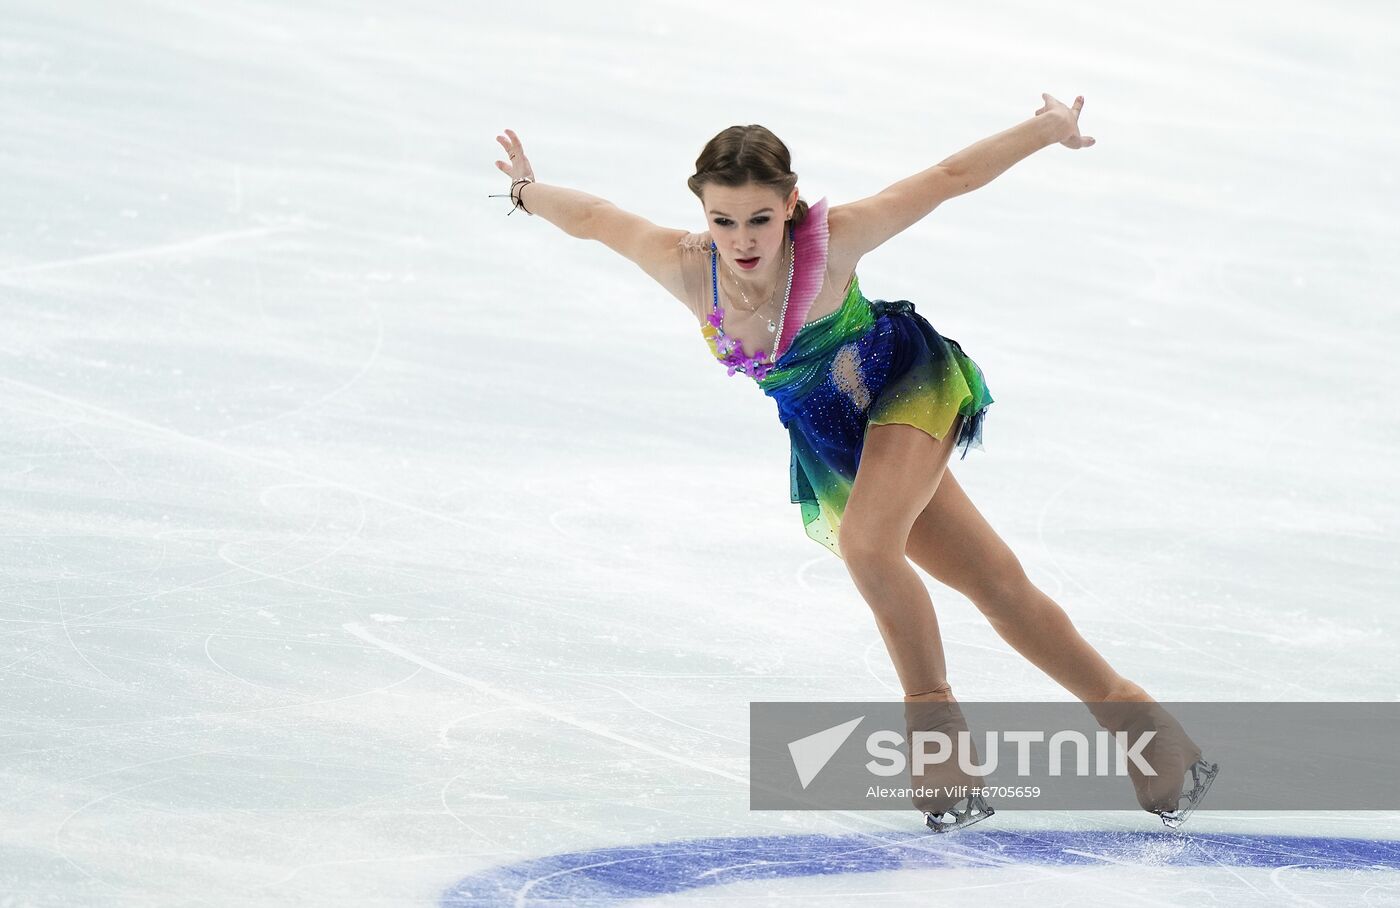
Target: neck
761	288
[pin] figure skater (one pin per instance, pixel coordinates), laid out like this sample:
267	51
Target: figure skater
874	401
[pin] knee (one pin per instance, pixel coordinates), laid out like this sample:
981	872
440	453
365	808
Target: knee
866	554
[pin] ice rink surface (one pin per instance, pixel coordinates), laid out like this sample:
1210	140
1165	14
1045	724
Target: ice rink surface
366	546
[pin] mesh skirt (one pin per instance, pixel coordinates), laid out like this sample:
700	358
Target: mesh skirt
870	362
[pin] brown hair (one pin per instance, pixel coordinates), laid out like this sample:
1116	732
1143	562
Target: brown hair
748	154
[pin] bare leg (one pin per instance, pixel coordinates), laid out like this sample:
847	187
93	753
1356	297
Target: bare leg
900	469
952	541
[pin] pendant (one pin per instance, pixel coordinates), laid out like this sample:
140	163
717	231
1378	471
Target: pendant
771	327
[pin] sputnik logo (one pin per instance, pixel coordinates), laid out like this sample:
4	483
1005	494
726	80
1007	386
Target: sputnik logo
811	754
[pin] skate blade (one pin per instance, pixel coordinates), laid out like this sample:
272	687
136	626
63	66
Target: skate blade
969	810
1202	775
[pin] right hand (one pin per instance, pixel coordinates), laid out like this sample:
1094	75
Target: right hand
519	166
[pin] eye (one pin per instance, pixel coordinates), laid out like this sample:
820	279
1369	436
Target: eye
761	220
722	222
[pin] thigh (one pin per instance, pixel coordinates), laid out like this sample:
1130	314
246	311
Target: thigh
953	542
900	467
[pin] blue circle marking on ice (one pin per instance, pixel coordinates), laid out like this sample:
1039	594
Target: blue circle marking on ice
617	874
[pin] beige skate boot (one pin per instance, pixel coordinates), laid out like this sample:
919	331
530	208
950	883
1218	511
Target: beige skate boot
1170	753
949	799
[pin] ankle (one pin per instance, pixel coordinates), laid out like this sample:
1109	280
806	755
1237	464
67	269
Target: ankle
1124	691
941	694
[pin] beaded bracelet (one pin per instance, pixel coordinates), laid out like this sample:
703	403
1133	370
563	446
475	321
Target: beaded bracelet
517	197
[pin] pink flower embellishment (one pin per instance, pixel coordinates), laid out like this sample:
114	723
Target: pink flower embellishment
731	350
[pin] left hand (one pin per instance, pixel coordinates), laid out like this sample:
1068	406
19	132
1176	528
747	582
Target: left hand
1068	119
519	166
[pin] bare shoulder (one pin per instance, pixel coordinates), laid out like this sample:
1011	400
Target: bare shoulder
843	249
865	224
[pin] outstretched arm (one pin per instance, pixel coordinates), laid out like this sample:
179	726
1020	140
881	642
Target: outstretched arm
865	224
568	209
590	217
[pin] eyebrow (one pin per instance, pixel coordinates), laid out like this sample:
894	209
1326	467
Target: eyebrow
722	214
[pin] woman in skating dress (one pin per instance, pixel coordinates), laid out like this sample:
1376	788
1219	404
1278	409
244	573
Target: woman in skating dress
874	401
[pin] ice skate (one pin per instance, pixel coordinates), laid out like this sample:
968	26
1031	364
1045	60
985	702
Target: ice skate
1170	752
1202	775
949	800
969	810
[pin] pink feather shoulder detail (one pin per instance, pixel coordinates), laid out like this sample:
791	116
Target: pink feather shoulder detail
809	270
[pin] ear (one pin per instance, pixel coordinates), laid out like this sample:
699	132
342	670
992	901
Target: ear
792	202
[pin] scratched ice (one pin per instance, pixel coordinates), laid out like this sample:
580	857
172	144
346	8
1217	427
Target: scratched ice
366	546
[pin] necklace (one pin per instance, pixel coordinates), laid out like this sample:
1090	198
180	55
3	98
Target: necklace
751	308
787	295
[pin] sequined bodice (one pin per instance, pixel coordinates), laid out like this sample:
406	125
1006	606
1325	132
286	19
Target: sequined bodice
737	360
730	350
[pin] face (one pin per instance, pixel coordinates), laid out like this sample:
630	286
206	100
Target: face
748	222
